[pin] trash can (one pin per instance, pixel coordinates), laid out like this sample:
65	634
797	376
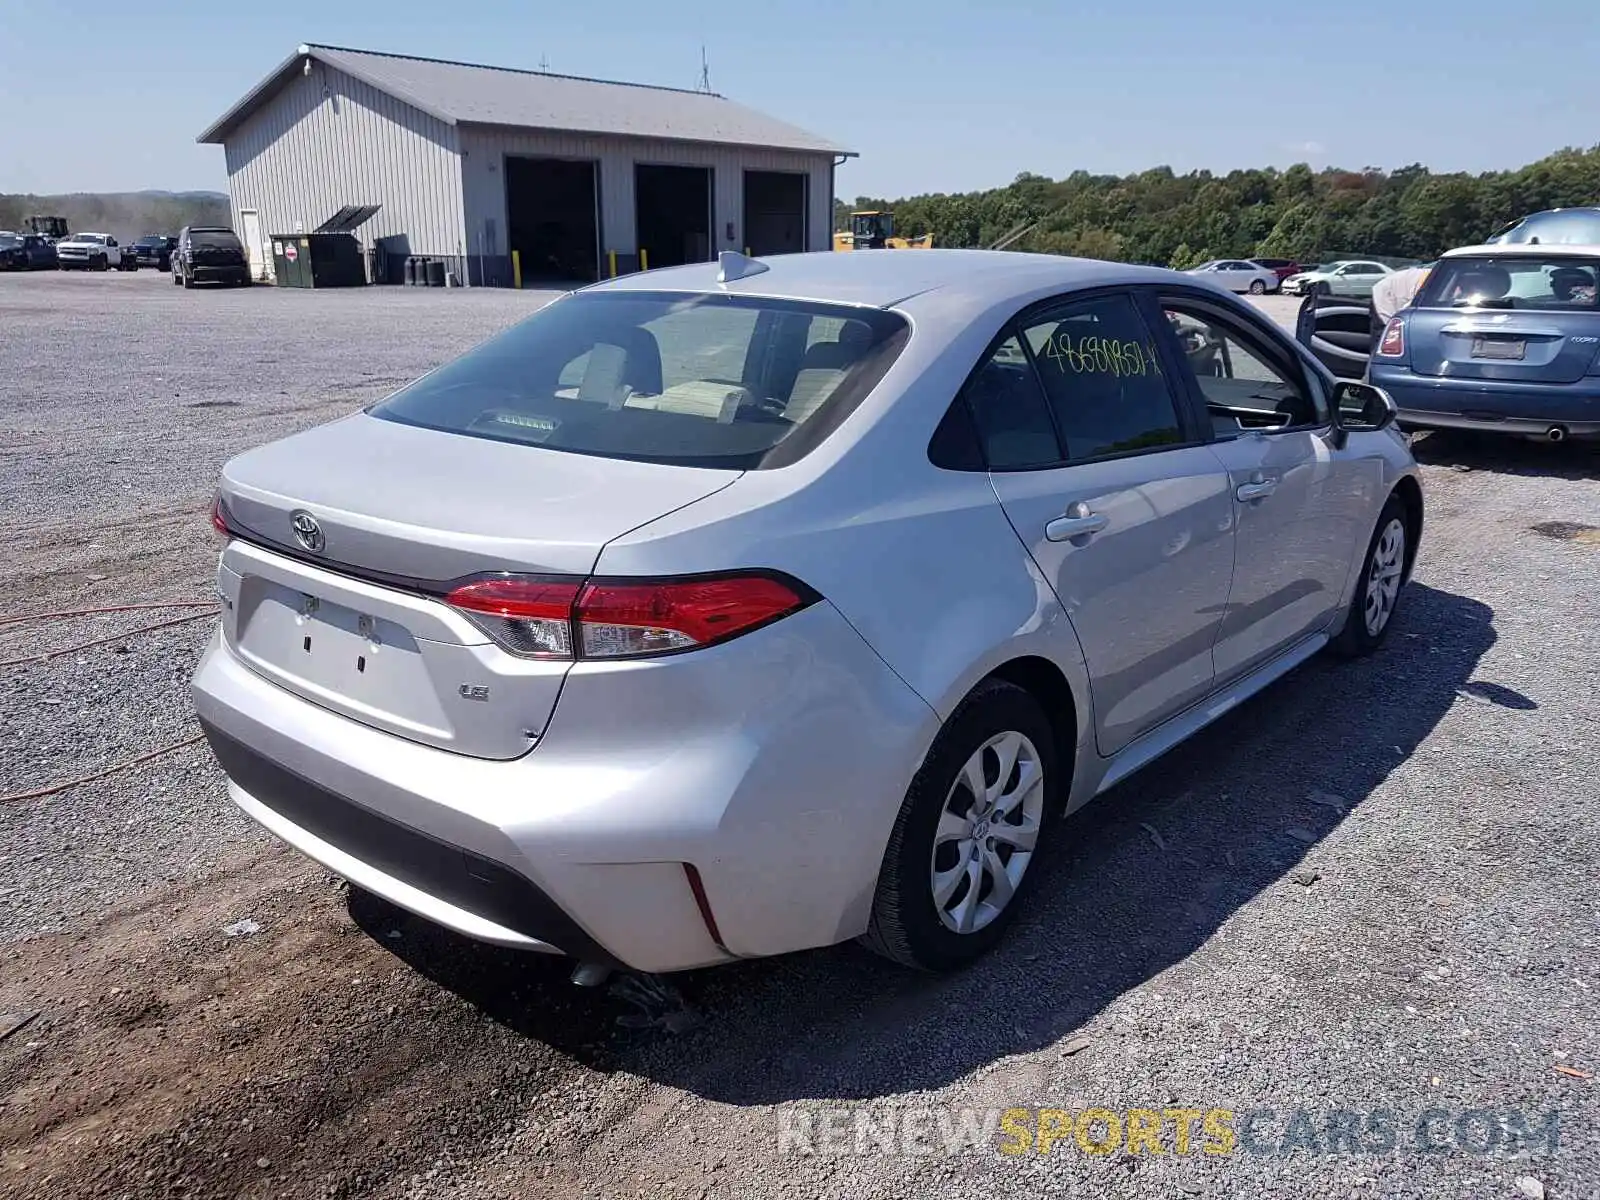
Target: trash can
318	260
289	260
411	270
436	272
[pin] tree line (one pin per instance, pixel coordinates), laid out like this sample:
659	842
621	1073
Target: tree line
1159	217
124	215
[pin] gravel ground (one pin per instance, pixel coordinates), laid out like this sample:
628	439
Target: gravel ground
1371	889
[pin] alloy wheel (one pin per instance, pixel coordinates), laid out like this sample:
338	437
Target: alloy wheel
1383	577
987	832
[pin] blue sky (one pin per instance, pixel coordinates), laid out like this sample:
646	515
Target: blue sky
96	95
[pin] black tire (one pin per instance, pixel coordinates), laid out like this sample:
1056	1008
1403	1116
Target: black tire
1358	637
1257	288
183	278
177	279
906	925
100	264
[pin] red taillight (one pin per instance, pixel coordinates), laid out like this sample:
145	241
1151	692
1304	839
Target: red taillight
620	618
1393	344
529	616
219	519
623	618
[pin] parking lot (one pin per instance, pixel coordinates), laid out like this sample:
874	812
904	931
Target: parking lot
1371	889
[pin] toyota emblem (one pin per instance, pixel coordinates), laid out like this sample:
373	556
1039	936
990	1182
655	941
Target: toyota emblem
306	530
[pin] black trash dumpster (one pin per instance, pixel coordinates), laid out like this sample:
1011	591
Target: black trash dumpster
318	260
328	256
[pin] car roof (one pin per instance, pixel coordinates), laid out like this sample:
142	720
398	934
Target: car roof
889	278
1524	250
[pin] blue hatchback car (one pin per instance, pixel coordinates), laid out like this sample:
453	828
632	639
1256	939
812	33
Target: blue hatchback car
1504	338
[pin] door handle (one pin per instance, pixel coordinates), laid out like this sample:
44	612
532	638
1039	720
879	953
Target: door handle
1078	522
1259	489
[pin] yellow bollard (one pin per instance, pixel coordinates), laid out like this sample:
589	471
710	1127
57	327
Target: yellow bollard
611	257
516	269
644	259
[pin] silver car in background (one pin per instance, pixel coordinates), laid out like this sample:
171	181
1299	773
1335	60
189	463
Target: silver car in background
1237	275
739	608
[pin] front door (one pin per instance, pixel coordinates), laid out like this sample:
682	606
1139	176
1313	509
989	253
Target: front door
1296	498
1129	517
253	247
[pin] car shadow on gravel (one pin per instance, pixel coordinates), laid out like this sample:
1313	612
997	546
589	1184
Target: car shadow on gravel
1138	881
1501	454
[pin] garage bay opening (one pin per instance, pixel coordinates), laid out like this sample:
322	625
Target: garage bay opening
674	213
552	218
774	212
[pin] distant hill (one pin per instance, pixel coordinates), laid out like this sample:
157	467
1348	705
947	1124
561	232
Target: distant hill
124	215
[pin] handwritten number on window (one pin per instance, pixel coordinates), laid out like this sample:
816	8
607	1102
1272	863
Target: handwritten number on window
1101	356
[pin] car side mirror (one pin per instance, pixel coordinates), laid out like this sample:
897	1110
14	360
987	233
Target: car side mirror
1361	407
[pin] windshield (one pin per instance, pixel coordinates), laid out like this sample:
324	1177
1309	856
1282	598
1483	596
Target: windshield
710	381
8	240
1540	284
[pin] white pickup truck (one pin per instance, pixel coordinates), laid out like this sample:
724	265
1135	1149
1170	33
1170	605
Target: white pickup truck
94	252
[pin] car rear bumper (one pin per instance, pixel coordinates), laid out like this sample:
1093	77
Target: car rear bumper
773	765
198	271
1493	406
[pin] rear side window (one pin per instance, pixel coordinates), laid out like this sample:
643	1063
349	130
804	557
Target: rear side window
1103	379
1541	284
1008	409
692	380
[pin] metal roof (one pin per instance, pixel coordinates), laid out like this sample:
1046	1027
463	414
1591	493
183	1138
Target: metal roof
888	278
467	93
1524	250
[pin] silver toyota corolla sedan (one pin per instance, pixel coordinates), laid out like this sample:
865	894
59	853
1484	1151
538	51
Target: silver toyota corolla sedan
744	607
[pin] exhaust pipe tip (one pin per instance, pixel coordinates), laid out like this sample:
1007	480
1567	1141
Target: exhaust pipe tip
1556	433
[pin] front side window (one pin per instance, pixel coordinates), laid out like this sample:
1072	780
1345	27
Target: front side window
691	380
1103	378
1541	284
1245	383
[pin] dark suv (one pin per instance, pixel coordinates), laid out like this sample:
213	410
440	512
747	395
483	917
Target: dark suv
209	252
155	250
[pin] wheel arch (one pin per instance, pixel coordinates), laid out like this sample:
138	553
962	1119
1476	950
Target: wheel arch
1048	684
1409	492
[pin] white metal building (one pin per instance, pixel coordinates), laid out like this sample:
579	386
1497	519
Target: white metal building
468	163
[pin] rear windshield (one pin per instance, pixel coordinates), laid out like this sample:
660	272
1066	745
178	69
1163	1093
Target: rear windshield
711	381
1541	284
213	237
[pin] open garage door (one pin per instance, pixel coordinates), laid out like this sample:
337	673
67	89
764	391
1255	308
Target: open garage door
552	218
673	213
774	212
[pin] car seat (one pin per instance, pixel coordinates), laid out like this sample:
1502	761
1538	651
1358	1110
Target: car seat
624	361
823	368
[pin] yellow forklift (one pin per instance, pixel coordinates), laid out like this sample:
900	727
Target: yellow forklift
871	230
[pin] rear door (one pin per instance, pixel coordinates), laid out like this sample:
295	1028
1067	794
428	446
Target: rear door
1104	477
1514	319
1358	278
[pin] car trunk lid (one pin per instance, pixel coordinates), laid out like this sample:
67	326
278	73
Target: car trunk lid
349	536
1518	347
